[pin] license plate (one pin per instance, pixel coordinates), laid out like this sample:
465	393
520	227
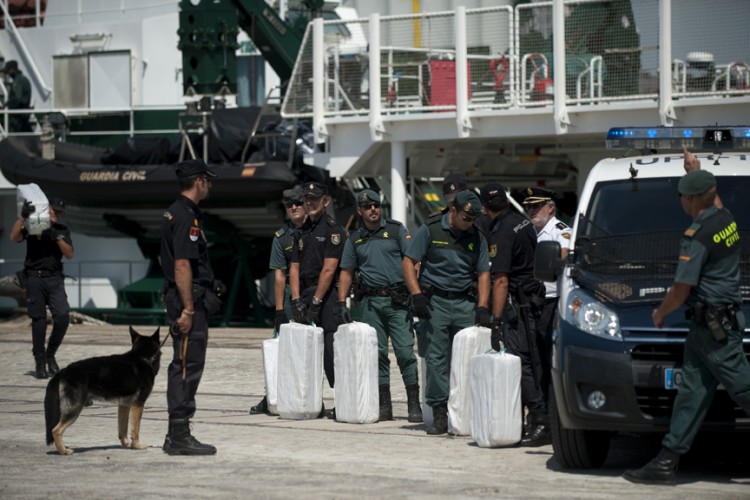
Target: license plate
672	378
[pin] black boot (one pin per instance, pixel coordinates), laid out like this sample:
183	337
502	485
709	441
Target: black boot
52	365
260	408
413	405
386	408
179	441
439	420
660	470
538	435
40	371
537	432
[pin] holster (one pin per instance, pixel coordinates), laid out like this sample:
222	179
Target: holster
532	293
400	295
21	278
718	320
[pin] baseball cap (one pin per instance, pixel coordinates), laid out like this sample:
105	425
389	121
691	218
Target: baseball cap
696	182
492	190
468	204
192	168
10	65
367	196
57	204
292	195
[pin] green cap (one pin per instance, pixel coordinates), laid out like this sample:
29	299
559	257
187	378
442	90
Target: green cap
696	182
292	195
367	196
468	203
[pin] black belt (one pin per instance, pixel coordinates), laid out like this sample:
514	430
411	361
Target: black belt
382	292
445	294
307	282
41	273
698	311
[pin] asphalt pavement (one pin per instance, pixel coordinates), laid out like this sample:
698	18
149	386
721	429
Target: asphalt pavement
262	456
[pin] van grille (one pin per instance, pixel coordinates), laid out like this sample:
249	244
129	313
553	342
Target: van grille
658	402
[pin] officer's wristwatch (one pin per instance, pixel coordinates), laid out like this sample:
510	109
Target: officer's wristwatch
316	301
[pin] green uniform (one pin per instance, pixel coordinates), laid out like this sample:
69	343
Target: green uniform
378	255
281	257
709	262
450	263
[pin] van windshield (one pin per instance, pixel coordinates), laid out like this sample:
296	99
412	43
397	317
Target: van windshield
627	243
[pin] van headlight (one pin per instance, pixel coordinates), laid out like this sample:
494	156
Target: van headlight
590	316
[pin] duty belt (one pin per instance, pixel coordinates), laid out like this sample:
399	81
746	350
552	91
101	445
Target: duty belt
698	311
41	273
446	294
382	292
308	282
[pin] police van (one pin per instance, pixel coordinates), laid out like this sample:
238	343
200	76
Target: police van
612	370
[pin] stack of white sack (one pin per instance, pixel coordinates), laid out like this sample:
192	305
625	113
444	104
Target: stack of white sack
355	349
299	388
39	219
466	344
496	414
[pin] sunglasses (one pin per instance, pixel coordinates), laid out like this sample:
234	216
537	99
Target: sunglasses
291	204
370	206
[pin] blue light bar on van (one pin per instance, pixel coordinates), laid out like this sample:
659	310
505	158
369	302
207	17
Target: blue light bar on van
694	138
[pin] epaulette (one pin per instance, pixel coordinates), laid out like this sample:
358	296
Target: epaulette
280	232
391	221
331	221
690	232
561	225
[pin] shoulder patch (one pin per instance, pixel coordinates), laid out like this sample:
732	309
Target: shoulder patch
280	232
690	232
493	251
335	238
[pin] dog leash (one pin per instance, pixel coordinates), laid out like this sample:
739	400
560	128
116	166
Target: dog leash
174	328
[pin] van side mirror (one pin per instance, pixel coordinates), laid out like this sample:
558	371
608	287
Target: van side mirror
547	262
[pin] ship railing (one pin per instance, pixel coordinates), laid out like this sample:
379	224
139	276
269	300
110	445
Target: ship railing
408	64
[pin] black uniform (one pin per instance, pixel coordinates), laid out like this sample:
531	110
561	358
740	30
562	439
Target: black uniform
45	286
19	98
182	238
313	243
512	244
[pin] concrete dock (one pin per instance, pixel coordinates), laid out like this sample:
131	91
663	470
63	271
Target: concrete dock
267	457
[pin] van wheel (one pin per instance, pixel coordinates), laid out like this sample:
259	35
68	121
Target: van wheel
576	449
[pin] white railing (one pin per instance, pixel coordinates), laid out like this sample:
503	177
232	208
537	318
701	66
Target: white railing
510	58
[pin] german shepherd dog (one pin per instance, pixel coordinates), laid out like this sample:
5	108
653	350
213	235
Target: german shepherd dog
126	379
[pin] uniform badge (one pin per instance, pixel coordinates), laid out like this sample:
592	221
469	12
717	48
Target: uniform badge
336	239
467	207
363	198
301	244
529	191
452	187
471	247
195	233
566	235
493	251
385	234
312	186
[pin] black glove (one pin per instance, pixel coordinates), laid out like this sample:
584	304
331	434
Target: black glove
280	319
313	313
420	304
482	317
219	288
299	311
27	209
496	337
56	234
343	313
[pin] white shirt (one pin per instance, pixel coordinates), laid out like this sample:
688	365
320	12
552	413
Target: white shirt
554	230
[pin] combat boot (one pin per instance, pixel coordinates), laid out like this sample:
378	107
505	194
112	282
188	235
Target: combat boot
439	420
412	398
179	441
260	408
386	407
660	470
52	365
537	433
40	370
